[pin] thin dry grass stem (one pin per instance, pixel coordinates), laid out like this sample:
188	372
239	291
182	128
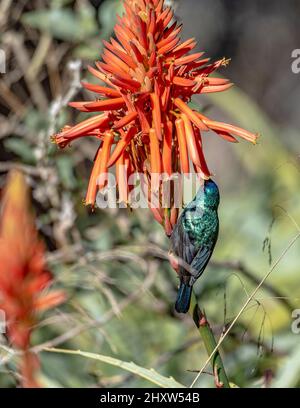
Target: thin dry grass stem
251	297
240	267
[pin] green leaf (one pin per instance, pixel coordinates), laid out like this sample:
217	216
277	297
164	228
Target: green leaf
21	148
65	170
63	24
149	374
35	121
107	15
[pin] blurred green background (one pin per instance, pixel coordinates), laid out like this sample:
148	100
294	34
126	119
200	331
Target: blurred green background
121	293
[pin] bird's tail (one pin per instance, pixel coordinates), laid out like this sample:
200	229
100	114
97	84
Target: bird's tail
183	301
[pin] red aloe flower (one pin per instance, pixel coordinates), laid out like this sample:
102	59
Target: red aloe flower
149	77
23	274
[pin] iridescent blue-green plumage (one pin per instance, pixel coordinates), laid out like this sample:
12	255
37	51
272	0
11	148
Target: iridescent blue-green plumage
194	238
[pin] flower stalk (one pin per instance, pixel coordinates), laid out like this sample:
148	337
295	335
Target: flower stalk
207	335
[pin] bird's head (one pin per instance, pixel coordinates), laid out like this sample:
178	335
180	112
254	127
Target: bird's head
211	194
207	197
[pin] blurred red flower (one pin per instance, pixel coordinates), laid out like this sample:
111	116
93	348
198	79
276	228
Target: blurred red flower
24	278
148	78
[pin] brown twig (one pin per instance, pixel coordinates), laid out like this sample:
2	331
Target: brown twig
16	41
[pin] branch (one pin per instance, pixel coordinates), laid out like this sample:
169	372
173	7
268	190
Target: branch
157	252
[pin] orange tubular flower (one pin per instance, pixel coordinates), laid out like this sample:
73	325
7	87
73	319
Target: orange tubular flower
150	77
23	274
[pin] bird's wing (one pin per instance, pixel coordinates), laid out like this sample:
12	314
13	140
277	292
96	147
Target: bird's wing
200	261
183	246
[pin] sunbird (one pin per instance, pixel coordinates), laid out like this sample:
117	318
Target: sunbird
194	238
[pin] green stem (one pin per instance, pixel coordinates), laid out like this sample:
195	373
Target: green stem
210	343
